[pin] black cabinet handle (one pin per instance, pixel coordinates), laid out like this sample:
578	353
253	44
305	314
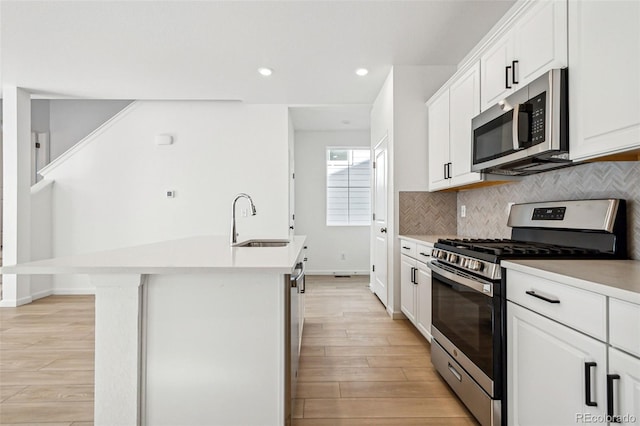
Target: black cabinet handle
445	171
610	416
449	170
383	230
424	254
513	72
587	384
406	248
546	299
413	275
506	77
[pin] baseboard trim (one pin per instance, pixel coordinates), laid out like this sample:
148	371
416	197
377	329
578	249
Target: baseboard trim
396	315
14	303
41	294
325	272
74	291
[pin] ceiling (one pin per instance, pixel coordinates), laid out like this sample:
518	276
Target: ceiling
148	49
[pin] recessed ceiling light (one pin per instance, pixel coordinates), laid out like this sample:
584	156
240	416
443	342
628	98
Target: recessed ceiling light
362	72
265	71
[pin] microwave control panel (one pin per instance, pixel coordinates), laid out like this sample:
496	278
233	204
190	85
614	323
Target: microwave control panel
537	128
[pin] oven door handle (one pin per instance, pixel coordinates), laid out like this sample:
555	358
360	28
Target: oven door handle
483	287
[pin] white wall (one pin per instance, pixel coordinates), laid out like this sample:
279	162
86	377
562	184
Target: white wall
325	243
41	221
72	120
399	111
111	192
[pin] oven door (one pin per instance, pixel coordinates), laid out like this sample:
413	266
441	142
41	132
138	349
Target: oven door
466	321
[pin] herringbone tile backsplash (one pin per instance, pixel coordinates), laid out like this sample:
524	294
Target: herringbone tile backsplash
487	207
427	213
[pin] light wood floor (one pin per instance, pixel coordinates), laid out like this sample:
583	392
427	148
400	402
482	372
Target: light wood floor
358	367
46	362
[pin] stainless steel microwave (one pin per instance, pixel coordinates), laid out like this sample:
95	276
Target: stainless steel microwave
527	132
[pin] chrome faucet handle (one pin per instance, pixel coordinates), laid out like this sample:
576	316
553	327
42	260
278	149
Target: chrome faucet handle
234	233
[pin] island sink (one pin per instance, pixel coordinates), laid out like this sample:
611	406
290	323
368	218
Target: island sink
262	243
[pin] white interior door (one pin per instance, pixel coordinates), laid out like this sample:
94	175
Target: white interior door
380	235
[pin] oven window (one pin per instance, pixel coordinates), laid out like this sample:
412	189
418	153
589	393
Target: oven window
465	317
494	139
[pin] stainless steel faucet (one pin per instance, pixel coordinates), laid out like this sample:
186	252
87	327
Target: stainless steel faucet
234	234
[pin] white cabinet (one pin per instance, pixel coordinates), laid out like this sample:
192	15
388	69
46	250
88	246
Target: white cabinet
408	287
439	142
624	383
423	300
536	42
604	77
554	372
563	340
415	286
450	115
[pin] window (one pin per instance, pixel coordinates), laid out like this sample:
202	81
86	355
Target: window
348	186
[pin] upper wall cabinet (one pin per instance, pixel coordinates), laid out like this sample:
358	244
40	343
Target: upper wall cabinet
536	42
450	114
604	78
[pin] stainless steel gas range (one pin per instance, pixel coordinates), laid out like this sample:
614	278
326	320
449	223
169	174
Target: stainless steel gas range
469	290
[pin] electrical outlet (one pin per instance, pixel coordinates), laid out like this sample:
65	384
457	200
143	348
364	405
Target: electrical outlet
509	207
170	194
463	211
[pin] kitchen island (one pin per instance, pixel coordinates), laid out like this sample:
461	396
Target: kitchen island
189	332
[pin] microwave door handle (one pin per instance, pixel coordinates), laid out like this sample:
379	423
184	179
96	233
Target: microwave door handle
515	127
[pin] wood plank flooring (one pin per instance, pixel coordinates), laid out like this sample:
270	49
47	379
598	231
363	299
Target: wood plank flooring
46	362
358	367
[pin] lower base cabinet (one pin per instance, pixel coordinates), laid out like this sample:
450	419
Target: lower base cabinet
623	382
415	290
556	375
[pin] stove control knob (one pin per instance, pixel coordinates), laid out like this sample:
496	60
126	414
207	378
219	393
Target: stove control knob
442	255
474	265
452	258
464	262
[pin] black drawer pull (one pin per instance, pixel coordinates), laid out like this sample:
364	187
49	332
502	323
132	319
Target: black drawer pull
546	299
424	254
513	72
506	77
587	384
610	379
406	248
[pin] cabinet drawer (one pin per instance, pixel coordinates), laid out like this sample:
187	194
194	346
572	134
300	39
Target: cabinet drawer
580	309
624	325
408	248
423	252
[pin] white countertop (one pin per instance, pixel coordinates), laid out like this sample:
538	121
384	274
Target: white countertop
614	278
188	255
428	239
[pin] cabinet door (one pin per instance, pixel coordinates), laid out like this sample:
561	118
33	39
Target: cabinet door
407	288
626	400
547	371
496	82
423	300
604	77
464	104
540	41
438	141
